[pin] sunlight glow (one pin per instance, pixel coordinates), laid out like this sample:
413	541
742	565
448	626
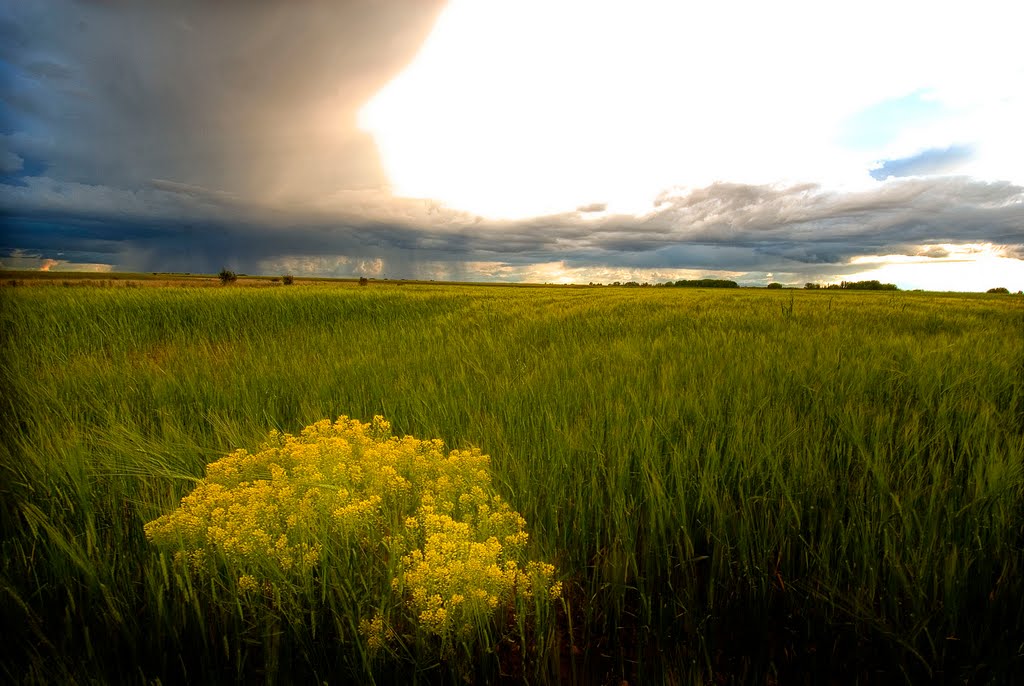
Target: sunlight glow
530	107
521	109
965	267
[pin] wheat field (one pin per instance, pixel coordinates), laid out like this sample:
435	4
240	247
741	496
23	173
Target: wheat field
744	485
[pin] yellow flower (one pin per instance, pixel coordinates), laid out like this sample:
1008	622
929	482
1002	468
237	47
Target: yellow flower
428	523
247	583
376	633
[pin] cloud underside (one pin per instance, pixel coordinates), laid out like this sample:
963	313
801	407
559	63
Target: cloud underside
728	228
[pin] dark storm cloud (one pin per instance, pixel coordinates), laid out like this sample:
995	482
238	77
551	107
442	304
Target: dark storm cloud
229	95
933	161
10	163
724	227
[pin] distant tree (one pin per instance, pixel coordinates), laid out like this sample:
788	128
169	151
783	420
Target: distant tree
363	281
706	283
227	276
998	290
812	286
774	284
287	279
873	285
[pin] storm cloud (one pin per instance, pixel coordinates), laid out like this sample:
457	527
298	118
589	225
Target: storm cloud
229	96
800	229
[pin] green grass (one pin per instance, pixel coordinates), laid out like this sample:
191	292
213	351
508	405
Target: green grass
744	485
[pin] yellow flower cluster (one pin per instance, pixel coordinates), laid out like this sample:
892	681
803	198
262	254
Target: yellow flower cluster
246	522
464	563
457	549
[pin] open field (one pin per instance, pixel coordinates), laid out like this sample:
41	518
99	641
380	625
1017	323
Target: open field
743	485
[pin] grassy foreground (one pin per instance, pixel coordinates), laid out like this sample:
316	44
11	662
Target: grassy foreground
742	486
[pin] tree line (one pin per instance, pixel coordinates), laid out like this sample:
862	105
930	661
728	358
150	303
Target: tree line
872	285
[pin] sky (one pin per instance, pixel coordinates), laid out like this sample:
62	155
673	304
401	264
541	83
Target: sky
557	141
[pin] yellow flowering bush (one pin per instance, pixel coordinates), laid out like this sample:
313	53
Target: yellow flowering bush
446	550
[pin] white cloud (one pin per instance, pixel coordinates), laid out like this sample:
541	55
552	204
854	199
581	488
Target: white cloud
613	103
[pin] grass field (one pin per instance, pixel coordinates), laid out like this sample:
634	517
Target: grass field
751	486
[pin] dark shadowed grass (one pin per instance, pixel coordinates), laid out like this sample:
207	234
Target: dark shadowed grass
742	485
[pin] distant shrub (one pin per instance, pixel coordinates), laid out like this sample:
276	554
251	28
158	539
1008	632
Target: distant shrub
420	529
227	276
873	285
287	279
775	285
363	281
998	290
706	283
